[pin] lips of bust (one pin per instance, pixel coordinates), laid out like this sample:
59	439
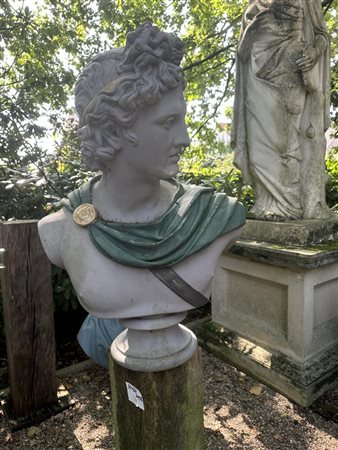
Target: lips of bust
176	155
174	158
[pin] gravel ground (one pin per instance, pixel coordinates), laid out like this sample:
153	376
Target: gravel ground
239	414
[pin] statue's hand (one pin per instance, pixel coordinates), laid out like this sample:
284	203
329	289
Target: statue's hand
308	59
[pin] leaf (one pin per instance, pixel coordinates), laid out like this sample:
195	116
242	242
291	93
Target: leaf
32	431
41	182
256	389
23	182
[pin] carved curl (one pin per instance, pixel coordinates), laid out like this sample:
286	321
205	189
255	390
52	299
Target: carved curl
116	84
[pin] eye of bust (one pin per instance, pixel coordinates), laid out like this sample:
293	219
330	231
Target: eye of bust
168	122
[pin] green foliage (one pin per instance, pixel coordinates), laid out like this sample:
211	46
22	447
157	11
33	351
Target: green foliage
34	189
331	19
43	49
332	184
2	324
64	295
216	171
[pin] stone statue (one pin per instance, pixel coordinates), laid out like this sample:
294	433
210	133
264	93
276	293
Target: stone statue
134	218
281	107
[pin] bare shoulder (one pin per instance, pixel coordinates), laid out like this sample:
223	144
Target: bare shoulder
51	232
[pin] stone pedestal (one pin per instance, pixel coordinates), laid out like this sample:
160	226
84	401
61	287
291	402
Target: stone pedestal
156	379
275	315
297	233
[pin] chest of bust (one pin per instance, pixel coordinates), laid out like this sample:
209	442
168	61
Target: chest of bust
108	289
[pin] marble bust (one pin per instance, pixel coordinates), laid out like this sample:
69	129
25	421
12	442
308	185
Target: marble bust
134	216
281	108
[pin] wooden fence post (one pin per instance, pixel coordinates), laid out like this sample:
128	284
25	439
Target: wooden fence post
170	413
28	317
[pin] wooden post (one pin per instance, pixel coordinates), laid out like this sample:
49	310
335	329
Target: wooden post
28	316
172	418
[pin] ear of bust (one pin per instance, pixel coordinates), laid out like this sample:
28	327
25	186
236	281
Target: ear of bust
115	141
131	136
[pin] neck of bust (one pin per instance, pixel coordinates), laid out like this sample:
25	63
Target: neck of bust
123	195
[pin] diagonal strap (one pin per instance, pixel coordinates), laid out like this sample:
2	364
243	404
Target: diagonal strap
173	281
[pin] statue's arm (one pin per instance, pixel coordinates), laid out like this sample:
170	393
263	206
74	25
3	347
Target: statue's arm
51	232
312	54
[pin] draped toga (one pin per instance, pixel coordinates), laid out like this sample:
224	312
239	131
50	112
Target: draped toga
196	217
280	112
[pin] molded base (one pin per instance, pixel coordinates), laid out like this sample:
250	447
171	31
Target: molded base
301	383
295	232
154	350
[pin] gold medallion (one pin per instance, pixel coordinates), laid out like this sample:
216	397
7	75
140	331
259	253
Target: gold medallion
85	214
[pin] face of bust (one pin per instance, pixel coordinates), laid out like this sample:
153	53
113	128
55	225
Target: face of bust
162	136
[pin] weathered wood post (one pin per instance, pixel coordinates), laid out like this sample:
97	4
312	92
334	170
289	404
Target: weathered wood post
156	409
28	316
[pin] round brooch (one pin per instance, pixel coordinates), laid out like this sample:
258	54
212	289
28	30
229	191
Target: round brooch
84	214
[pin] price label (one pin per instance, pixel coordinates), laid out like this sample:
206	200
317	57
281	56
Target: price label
135	396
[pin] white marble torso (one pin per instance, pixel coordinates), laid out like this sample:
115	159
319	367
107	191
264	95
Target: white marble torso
133	188
111	290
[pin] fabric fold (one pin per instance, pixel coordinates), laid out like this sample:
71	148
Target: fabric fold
196	217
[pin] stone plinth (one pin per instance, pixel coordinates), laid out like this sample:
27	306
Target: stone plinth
297	232
275	315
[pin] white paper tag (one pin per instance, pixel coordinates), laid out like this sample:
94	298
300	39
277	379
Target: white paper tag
135	396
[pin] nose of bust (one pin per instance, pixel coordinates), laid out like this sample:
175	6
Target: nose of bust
182	138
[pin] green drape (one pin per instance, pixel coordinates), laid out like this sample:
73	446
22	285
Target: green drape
195	218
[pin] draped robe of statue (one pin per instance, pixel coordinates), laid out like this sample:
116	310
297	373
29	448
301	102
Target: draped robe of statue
280	112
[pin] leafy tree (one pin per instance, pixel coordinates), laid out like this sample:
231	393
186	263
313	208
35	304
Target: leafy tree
44	47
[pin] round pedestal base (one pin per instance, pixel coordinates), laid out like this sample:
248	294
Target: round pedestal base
153	350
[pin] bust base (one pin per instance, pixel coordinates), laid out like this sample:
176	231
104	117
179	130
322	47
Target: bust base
154	344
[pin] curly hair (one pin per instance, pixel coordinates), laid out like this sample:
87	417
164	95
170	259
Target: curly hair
116	84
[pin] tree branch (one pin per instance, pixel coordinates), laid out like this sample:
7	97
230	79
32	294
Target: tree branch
207	58
327	5
213	114
213	67
226	27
